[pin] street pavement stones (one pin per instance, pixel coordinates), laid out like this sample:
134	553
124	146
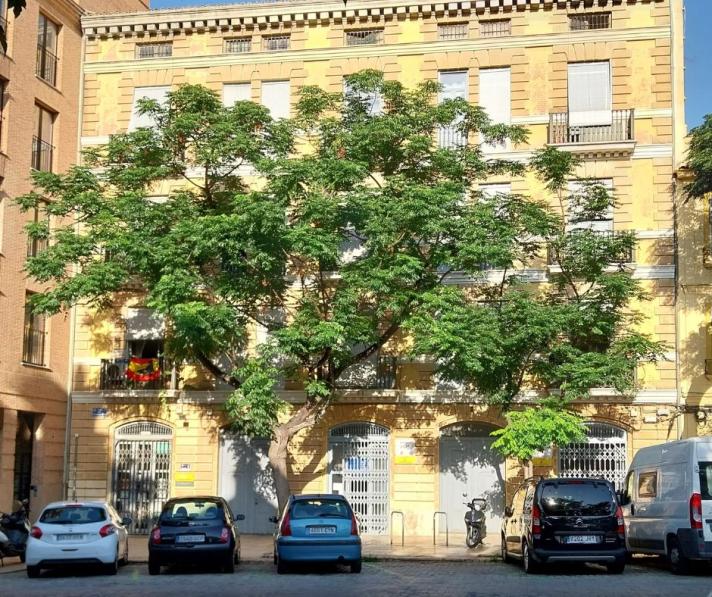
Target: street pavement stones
391	578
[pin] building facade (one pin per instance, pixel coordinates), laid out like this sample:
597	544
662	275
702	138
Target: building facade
39	118
602	79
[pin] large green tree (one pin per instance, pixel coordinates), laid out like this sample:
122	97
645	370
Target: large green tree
259	232
699	160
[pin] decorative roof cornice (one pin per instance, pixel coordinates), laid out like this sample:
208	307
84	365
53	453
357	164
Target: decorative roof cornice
271	14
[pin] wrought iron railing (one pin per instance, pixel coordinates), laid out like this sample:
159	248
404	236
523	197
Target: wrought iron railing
127	373
33	346
275	43
46	65
620	129
364	37
498	28
35	246
42	155
453	31
383	378
586	22
238	45
625	256
451	137
162	49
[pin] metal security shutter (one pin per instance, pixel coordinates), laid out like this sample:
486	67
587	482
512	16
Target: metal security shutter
604	455
142	471
359	470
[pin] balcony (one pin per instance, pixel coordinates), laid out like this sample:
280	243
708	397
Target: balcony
616	138
374	374
451	137
33	346
625	257
46	65
136	374
42	155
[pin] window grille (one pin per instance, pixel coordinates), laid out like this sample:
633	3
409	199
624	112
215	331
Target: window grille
36	245
33	346
162	49
238	45
452	31
497	28
275	43
586	22
364	37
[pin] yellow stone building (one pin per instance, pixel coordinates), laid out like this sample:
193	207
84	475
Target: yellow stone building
600	78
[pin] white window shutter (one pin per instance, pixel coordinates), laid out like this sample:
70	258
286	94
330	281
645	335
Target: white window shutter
155	93
236	92
496	100
276	98
590	94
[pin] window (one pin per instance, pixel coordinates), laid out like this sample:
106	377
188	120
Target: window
320	508
182	511
590	94
42	148
706	480
236	92
73	515
3	19
577	498
371	101
454	85
648	485
498	28
138	120
238	45
275	43
47	34
154	50
364	37
3	86
603	224
36	245
276	98
452	31
594	20
496	100
33	349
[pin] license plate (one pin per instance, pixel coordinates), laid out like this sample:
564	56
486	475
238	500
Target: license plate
190	539
70	537
586	539
322	530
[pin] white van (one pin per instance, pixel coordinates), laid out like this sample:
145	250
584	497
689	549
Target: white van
667	502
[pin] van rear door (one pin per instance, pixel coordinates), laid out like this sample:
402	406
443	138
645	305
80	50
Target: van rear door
706	493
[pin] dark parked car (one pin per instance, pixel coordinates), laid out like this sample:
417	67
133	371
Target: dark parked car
317	529
195	530
564	520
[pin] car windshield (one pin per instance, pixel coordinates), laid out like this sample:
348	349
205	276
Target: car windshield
577	499
706	480
320	508
186	511
73	515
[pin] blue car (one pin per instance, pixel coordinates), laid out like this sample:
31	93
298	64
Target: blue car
317	529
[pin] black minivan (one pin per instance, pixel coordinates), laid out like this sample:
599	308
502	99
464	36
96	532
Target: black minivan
564	520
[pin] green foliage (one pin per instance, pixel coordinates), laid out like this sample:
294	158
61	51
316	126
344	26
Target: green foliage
699	159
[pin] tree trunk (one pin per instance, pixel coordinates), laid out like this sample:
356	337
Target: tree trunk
278	450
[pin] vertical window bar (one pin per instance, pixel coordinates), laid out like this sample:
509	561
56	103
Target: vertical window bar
498	28
587	22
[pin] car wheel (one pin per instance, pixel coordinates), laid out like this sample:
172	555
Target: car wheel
503	550
679	564
282	567
22	557
33	572
616	567
229	566
154	568
530	566
125	560
274	558
356	567
113	568
473	537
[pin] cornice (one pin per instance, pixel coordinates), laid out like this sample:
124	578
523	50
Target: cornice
400	49
299	12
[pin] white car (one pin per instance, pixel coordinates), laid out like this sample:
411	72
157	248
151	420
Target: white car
77	533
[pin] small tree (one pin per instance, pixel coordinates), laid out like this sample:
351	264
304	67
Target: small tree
258	233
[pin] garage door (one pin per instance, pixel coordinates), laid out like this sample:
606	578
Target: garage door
469	464
246	482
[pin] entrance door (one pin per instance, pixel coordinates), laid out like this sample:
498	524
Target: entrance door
246	482
358	470
469	464
142	471
24	441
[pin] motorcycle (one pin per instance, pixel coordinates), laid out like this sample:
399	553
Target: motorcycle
14	531
475	521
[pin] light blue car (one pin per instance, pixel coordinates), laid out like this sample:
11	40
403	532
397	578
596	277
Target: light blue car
317	529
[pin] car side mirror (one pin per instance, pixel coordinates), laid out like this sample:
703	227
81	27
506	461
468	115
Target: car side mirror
623	499
126	521
239	517
274	519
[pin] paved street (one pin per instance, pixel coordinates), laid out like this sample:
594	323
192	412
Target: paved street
378	578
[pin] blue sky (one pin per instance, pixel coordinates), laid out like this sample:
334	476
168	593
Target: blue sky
698	75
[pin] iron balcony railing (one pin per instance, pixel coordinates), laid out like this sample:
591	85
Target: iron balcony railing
35	246
383	378
238	45
620	129
364	37
135	373
586	22
626	255
451	137
33	346
46	65
42	155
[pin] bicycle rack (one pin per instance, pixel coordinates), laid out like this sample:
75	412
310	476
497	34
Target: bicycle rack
402	519
447	533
